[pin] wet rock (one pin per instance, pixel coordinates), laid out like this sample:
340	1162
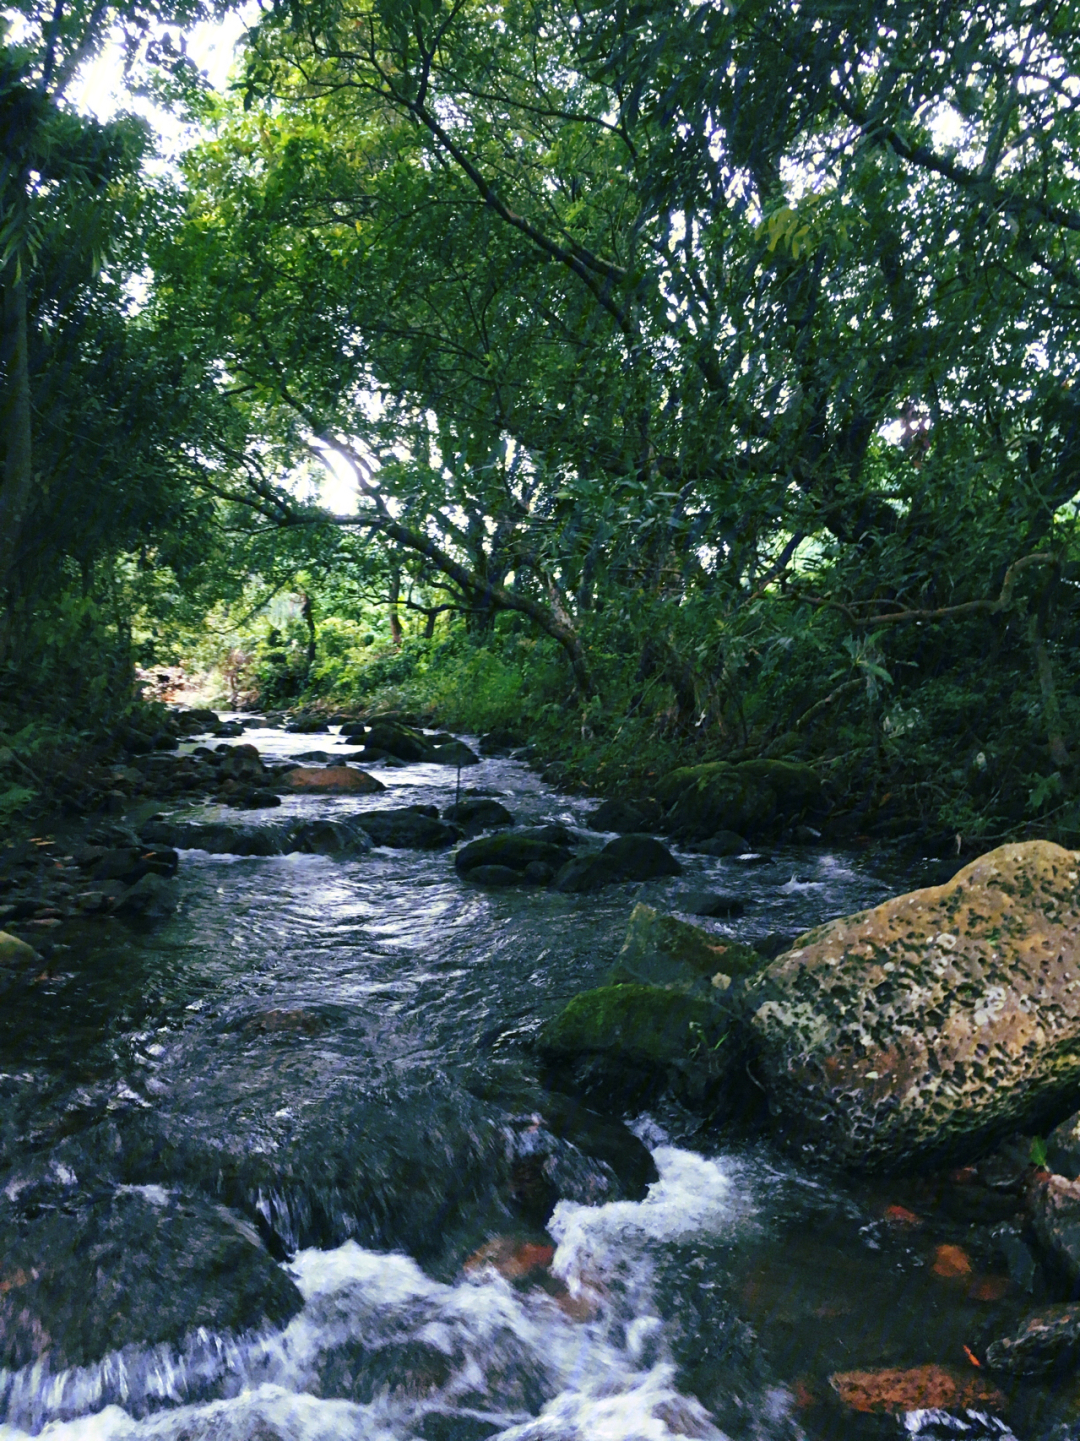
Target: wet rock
478	813
516	1260
624	1045
201	715
152	897
402	742
142	1266
409	828
228	730
926	1026
19	962
1063	1147
218	837
515	850
920	1388
1054	1206
628	858
663	951
452	752
254	799
625	816
752	798
332	780
15	953
538	873
709	903
584	874
1047	1340
344	837
307	725
241	763
409	1163
495	876
500	741
641	858
322	757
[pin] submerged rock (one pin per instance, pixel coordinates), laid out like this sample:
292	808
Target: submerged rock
141	1266
752	798
930	1024
919	1388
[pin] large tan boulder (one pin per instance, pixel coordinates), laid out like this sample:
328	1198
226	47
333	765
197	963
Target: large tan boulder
922	1028
332	781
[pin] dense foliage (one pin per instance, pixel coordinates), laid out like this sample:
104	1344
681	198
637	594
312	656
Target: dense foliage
730	348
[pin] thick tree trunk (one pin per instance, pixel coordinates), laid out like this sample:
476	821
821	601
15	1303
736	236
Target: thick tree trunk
18	482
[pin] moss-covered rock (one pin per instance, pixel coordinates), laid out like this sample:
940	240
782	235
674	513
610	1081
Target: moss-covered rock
752	798
923	1028
662	950
623	1045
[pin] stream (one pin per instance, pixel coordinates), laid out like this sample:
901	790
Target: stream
335	1056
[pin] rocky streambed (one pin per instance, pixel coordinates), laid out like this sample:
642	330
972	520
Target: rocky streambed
418	1100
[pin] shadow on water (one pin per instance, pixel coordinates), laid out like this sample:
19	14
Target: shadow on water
314	1082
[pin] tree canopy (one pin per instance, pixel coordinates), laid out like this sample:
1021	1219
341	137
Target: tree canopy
731	344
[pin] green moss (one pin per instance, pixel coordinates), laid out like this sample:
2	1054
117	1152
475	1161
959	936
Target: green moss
641	1023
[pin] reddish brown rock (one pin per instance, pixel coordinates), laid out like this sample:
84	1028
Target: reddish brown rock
332	780
919	1388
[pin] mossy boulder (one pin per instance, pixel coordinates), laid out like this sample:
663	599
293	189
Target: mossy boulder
662	950
752	798
623	1045
922	1029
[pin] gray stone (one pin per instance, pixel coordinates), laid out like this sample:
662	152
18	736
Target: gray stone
1047	1339
491	876
1055	1218
624	816
709	903
478	813
641	858
514	849
142	1266
1063	1147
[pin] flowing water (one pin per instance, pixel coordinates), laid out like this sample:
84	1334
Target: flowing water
338	1051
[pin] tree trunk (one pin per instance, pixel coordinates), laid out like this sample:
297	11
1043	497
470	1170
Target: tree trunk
17	486
394	601
307	610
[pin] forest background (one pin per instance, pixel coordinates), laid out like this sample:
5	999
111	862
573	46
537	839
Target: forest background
696	381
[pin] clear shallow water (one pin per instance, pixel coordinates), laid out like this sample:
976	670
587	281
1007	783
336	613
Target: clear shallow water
339	1051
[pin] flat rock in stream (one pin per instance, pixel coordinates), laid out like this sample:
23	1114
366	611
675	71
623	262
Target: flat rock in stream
514	850
409	828
929	1025
343	836
142	1265
331	780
